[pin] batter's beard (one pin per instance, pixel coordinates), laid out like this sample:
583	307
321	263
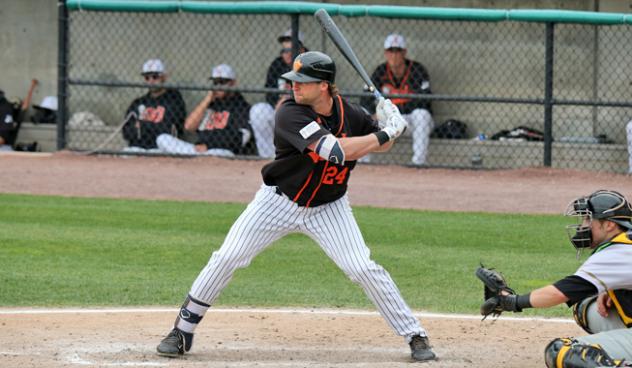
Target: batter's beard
300	100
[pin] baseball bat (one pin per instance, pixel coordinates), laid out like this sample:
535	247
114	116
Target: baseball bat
341	43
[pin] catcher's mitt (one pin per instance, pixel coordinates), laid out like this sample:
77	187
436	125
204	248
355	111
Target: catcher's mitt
498	296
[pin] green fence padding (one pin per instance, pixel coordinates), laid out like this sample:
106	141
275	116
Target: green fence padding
566	16
384	11
125	6
487	15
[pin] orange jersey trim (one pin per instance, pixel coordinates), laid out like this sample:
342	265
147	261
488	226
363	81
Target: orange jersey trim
341	113
322	176
404	80
298	195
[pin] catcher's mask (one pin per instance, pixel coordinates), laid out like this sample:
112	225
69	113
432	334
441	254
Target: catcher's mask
601	205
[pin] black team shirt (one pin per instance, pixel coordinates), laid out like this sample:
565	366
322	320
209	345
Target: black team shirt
301	174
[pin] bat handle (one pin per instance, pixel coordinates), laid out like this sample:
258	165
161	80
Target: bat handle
377	94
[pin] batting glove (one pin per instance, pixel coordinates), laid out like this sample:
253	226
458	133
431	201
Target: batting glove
395	125
384	110
380	114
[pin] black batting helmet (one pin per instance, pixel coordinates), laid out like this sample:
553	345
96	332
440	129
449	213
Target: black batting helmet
312	66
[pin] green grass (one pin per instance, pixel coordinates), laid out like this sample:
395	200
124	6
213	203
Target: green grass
58	251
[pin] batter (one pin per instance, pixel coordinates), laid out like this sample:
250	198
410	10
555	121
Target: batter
318	138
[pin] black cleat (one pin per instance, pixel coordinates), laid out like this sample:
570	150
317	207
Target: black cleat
420	349
176	343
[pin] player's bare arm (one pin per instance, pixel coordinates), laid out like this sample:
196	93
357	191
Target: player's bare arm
193	120
547	296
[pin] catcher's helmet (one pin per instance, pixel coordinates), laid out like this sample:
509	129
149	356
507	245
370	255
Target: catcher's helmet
604	205
312	66
601	205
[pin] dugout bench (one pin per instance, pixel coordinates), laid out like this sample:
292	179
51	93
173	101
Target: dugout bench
442	152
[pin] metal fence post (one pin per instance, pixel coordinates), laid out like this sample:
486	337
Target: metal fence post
295	39
548	92
62	73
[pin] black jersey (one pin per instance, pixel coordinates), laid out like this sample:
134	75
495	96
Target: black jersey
220	127
162	114
274	80
301	174
415	80
9	121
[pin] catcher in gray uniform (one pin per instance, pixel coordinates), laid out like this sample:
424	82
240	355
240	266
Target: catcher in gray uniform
600	291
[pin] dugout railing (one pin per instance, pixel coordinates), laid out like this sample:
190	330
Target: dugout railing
533	87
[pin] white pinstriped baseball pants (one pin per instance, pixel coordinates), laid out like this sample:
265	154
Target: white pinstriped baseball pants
271	216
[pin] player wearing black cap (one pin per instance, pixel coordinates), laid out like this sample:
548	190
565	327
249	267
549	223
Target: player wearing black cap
262	113
318	137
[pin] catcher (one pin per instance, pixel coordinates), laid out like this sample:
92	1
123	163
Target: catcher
600	291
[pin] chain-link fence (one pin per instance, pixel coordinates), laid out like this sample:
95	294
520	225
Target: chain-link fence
498	94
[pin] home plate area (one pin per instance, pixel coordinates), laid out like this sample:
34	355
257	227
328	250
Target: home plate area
267	338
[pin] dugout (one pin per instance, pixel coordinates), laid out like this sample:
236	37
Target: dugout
561	72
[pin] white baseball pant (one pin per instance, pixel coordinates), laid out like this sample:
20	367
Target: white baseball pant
262	123
135	149
170	144
420	124
597	323
271	216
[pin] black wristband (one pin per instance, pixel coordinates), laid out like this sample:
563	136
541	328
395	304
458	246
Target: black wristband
522	301
382	137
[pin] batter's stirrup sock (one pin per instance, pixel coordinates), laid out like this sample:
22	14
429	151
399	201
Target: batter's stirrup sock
569	353
191	313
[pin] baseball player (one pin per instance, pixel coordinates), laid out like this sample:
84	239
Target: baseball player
11	117
220	121
400	75
318	137
600	291
262	113
159	111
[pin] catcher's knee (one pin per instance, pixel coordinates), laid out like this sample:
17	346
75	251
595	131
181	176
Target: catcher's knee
580	313
568	353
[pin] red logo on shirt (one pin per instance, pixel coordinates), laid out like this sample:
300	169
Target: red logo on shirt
216	120
153	114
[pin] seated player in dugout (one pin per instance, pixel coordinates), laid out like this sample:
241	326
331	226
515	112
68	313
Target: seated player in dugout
318	136
220	121
400	75
600	291
160	111
11	115
262	113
